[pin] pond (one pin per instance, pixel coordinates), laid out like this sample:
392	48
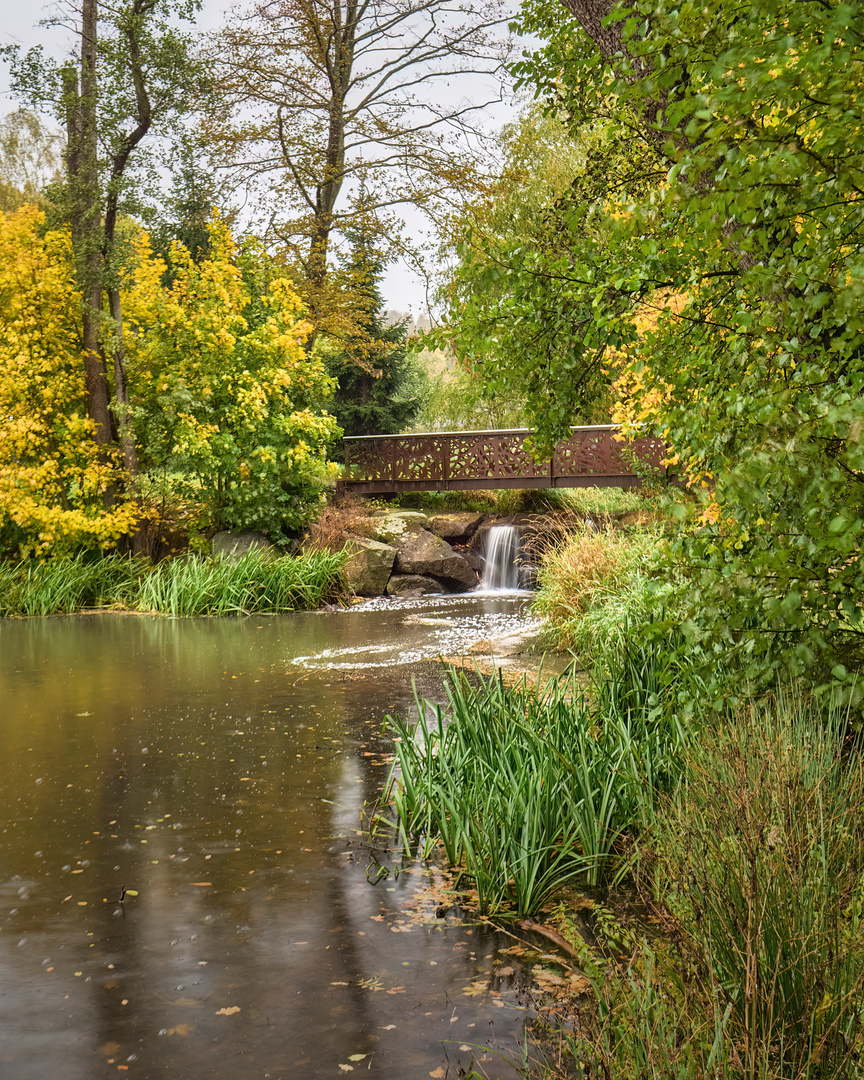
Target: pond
216	770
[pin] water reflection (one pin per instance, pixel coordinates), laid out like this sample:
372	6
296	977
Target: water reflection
202	766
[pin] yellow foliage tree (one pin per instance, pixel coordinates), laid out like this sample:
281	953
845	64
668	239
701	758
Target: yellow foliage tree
53	478
225	397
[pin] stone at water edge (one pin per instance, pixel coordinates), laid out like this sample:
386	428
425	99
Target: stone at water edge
428	555
410	585
367	569
234	545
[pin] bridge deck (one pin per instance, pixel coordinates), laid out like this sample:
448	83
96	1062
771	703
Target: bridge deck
454	460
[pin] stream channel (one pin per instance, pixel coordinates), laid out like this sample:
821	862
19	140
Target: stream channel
216	769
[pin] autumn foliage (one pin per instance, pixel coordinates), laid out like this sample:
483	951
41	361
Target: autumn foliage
224	399
54	483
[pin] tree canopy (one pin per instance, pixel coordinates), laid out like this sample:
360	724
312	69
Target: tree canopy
740	236
341	113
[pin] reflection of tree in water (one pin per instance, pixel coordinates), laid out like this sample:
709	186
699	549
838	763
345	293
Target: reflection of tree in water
184	952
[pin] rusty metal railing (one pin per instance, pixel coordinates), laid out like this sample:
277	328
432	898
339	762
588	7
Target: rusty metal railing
454	460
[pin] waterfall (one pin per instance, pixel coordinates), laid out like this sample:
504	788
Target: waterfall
501	572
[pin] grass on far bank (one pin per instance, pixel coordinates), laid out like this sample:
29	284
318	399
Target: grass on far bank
187	585
597	586
584	501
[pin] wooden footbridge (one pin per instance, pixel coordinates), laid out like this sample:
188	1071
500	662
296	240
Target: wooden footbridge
470	460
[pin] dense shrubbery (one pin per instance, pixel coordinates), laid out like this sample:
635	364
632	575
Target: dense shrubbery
596	587
755	864
225	403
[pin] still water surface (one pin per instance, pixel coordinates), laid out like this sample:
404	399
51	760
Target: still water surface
217	769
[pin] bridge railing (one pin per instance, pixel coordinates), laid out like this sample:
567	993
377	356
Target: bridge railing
453	460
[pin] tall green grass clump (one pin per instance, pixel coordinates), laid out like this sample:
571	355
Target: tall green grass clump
527	788
197	585
757	870
189	585
61	586
595	587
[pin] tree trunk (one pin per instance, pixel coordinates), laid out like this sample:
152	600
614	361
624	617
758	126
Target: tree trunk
121	388
85	218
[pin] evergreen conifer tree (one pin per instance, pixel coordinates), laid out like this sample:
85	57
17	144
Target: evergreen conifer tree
380	385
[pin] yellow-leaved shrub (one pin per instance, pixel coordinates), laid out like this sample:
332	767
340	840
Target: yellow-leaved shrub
53	478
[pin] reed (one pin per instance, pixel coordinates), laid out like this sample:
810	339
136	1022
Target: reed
527	788
757	862
196	585
185	586
61	586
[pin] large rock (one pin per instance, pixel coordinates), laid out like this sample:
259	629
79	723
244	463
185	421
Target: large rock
413	585
423	553
235	545
456	528
392	526
367	569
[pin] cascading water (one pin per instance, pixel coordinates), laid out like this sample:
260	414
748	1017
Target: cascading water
502	572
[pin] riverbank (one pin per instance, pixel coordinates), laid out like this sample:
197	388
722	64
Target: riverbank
189	585
737	829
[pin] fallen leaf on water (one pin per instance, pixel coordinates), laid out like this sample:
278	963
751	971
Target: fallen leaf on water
357	1057
185	1002
504	972
438	1073
340	984
131	892
201	884
347	1068
110	1048
181	1029
229	1011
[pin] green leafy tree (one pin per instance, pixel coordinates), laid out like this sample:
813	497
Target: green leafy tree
751	254
517	311
228	401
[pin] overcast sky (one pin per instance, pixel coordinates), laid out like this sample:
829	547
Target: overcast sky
403	290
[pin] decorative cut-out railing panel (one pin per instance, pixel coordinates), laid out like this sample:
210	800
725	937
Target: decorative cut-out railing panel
452	460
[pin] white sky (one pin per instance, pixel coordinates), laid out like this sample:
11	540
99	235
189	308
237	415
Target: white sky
402	289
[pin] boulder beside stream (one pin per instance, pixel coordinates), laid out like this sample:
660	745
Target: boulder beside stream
457	527
368	568
236	545
408	585
430	556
